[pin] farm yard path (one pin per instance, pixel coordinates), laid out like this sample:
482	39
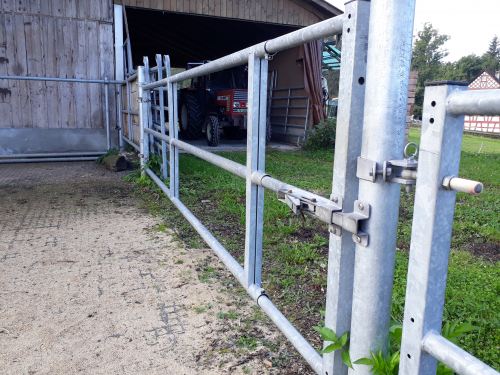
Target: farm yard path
88	286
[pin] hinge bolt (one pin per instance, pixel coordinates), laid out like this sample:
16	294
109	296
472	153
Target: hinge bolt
335	199
313	199
358	239
361	207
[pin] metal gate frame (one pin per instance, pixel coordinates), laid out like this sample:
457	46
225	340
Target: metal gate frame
69	156
362	211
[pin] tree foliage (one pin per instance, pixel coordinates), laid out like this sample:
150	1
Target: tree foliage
427	56
428	53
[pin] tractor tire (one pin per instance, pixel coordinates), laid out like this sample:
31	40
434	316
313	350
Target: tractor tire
212	129
235	133
269	131
190	117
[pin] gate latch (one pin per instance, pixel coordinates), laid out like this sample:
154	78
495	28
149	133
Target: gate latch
330	213
400	171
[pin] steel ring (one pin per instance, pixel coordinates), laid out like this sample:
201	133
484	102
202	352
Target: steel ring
416	150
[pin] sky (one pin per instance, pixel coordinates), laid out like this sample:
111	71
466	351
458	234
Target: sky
470	24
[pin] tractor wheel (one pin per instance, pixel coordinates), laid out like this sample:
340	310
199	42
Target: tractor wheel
190	117
269	131
212	129
235	133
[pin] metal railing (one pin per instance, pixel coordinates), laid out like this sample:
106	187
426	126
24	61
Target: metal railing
66	156
362	211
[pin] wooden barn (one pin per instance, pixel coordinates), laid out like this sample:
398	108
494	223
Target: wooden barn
84	39
487	80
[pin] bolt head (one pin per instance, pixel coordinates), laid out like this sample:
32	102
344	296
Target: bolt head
358	239
361	206
334	231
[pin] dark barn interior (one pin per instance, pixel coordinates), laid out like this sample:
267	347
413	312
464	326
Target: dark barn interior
192	38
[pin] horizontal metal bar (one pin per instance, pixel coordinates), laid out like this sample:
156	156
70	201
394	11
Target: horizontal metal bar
158	108
55	154
290	97
131	143
130	112
320	30
159	182
298	341
474	103
240	170
289	106
132	77
295	135
53	79
289	126
454	357
215	245
228	165
44	160
292	116
286	89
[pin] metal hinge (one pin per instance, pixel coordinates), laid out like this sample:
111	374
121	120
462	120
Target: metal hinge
400	171
330	213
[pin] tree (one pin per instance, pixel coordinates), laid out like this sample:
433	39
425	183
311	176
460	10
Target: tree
463	70
427	60
491	59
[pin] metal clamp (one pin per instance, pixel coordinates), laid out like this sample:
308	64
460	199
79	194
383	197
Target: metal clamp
400	171
330	213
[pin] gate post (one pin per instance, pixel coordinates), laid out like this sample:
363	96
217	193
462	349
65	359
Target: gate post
345	183
256	151
387	79
441	143
173	133
143	116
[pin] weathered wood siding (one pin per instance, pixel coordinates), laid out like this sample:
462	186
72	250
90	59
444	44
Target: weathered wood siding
56	38
288	12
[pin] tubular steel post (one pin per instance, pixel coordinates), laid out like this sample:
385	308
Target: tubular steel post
345	183
147	99
121	142
172	130
143	116
256	149
162	110
106	94
439	157
387	79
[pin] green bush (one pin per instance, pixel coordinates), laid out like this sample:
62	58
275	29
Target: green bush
322	137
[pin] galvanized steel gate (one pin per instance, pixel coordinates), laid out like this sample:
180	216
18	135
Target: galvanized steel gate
362	211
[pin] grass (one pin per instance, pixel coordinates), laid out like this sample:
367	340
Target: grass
295	250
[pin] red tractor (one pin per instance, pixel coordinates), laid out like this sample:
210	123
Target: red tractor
215	101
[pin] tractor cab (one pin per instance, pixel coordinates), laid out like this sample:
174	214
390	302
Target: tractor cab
214	101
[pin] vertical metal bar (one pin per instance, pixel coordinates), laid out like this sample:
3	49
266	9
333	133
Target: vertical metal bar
162	117
147	99
106	94
387	79
143	116
121	142
345	183
256	148
129	115
431	229
173	132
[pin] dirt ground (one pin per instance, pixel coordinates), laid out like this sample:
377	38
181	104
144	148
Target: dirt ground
87	285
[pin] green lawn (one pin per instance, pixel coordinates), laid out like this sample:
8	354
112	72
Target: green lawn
295	251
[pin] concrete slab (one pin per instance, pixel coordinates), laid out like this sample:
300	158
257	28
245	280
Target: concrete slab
226	145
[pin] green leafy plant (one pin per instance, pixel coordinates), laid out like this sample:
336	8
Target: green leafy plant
381	365
337	343
322	137
111	151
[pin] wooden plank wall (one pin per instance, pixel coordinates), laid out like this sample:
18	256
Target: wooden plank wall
56	38
288	12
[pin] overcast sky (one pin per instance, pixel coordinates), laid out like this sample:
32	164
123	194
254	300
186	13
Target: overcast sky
470	24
